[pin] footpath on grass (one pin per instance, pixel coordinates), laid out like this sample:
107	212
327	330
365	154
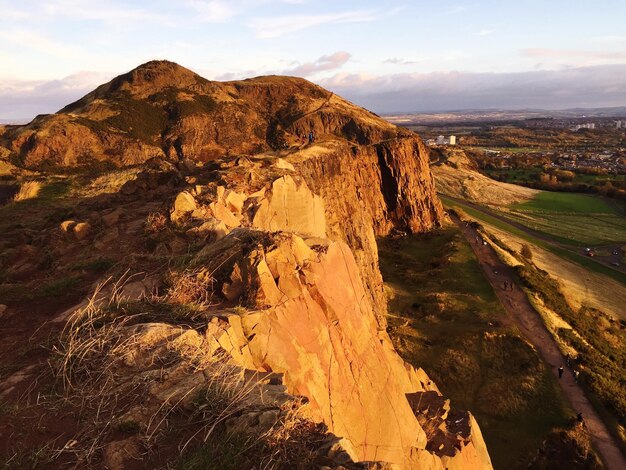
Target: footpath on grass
522	314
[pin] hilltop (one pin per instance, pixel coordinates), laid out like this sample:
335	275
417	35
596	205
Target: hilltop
161	109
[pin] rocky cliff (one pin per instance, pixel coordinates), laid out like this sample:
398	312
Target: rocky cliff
274	244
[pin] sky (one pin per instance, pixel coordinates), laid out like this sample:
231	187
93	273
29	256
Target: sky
387	55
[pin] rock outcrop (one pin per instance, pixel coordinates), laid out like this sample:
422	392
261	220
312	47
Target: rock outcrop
309	319
278	239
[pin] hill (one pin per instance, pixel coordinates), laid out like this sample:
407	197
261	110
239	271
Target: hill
458	176
221	302
161	109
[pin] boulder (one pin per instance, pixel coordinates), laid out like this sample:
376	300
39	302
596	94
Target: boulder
283	164
67	226
111	217
82	230
184	204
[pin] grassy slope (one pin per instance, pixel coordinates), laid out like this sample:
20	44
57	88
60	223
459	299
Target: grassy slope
445	317
566	202
599	341
571	218
583	261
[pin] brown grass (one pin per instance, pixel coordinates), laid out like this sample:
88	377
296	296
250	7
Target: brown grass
190	287
156	222
28	190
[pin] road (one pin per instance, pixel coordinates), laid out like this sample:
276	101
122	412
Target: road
522	314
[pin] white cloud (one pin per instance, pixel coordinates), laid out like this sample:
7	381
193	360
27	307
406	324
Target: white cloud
406	92
401	61
223	10
327	62
23	99
32	40
485	32
273	27
564	58
596	86
103	10
214	10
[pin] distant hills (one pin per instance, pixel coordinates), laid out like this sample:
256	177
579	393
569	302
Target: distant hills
477	115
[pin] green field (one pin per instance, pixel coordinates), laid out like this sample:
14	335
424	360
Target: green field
572	218
566	202
445	317
581	260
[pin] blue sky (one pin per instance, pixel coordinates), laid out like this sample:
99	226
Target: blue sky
389	55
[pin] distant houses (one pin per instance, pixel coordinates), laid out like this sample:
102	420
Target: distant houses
442	140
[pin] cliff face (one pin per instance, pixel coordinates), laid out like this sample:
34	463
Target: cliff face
282	241
368	191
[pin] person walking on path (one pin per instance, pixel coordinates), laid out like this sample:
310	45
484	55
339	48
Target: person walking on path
576	374
560	371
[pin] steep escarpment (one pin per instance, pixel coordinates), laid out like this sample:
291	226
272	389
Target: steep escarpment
370	191
264	299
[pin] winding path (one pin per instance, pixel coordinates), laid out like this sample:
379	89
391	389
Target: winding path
522	314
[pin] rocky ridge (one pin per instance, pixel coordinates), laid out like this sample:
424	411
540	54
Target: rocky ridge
279	244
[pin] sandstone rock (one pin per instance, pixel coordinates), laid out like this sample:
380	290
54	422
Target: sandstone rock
129	188
118	454
184	204
111	217
283	164
235	201
3	309
82	230
291	207
68	226
234	289
321	335
224	214
212	227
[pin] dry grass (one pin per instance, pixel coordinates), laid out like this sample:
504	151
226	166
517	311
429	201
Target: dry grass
28	190
193	287
579	285
156	222
458	179
108	183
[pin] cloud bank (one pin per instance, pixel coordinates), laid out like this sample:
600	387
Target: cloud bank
595	86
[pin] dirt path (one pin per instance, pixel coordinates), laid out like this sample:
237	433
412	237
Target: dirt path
528	321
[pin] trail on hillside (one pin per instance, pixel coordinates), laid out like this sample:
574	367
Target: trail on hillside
530	324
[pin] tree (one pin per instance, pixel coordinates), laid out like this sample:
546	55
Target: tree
526	252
